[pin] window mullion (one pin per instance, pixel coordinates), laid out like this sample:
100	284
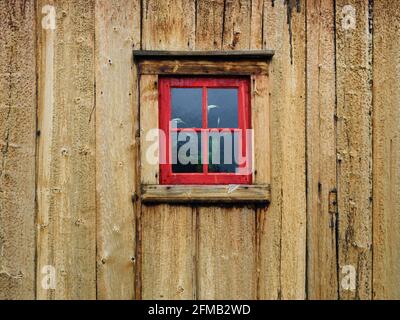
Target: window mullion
204	136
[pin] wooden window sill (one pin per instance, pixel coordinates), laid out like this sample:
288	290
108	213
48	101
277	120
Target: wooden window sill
206	194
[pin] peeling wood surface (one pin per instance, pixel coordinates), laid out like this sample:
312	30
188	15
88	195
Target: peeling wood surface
354	147
66	161
117	32
321	152
17	149
386	151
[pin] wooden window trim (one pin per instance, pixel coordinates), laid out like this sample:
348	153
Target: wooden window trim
150	67
196	54
227	63
205	194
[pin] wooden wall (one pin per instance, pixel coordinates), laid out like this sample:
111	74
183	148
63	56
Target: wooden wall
69	149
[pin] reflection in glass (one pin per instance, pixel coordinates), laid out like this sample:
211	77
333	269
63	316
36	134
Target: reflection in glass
186	152
222	108
222	152
186	107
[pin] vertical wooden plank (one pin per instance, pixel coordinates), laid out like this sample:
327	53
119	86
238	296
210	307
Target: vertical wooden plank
168	247
260	118
322	282
167	232
17	149
226	236
227	253
282	229
262	154
386	152
256	24
236	25
148	121
210	18
66	160
117	33
168	25
354	58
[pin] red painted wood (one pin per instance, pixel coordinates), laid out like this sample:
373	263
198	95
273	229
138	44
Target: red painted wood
244	122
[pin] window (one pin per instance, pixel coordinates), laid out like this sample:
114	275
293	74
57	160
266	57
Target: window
204	126
207	130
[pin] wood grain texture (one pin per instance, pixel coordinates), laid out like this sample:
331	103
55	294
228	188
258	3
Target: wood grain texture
203	54
117	32
167	232
203	67
261	109
282	228
17	149
234	194
149	139
236	25
256	24
168	246
66	160
322	281
386	152
168	25
260	118
80	82
354	146
226	253
220	229
209	24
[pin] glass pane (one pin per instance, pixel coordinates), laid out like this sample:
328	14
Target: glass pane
186	105
186	152
222	108
221	156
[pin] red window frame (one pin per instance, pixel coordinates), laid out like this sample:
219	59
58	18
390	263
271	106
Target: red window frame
244	123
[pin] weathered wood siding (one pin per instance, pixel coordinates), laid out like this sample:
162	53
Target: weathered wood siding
71	109
66	189
321	152
386	152
17	149
117	33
